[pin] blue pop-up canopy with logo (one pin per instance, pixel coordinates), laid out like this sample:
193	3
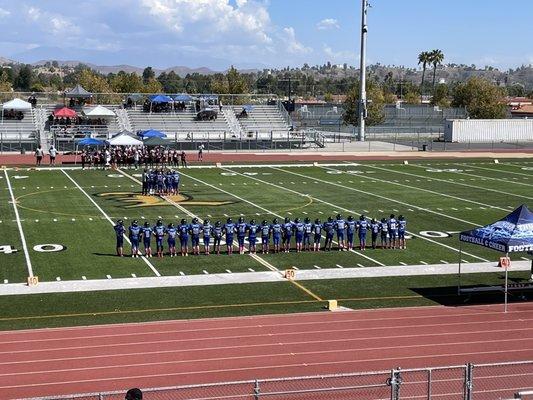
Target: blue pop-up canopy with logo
151	133
514	233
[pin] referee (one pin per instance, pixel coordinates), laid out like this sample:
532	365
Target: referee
145	183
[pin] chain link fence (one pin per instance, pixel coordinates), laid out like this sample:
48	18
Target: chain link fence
463	382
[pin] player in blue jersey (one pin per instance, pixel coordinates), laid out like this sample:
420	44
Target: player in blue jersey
183	233
402	226
171	239
241	227
207	230
152	178
159	233
329	228
375	228
147	232
299	231
265	237
119	232
229	230
393	231
340	227
135	235
363	227
288	228
384	230
169	182
160	179
195	230
253	228
308	231
351	227
218	231
277	231
317	232
175	183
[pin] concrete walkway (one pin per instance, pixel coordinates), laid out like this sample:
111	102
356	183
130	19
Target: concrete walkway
251	277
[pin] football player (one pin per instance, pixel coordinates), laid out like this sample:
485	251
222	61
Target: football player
329	228
207	230
229	230
402	225
317	231
195	230
384	229
147	237
288	227
351	227
393	231
242	227
340	227
308	231
171	239
119	231
135	234
159	233
253	228
183	231
299	230
363	227
375	228
277	230
265	237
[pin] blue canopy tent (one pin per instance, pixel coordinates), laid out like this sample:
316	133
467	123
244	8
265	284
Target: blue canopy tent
513	233
183	97
160	98
88	141
151	133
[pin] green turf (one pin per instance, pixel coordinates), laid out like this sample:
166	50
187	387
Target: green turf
443	196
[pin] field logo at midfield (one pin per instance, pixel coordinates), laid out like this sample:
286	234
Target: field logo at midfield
135	200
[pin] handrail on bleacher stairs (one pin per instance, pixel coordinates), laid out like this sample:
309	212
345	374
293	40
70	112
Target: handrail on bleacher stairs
466	382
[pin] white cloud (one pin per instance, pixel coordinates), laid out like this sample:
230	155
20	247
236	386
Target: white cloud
341	56
328	23
213	20
292	45
4	13
57	24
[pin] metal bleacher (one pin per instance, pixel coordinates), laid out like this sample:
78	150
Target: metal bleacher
264	122
19	134
180	125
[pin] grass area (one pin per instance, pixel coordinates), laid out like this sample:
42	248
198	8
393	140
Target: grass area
119	306
438	199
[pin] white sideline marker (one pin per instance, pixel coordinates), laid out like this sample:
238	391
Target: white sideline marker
205	272
444	262
6	281
340	266
296	268
251	269
58	278
182	273
423	262
19	224
84	277
525	259
155	271
108	276
228	271
133	276
317	267
361	265
403	263
466	262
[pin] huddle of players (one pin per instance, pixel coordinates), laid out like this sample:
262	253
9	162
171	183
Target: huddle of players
160	182
308	235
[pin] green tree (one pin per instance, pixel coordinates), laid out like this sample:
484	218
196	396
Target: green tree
376	102
424	59
93	82
412	97
328	97
436	58
24	78
171	82
441	96
5	84
148	74
481	98
236	82
152	86
125	83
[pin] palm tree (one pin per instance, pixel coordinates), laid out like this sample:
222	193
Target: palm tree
436	57
424	59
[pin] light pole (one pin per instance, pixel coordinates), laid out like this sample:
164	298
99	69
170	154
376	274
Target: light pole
362	73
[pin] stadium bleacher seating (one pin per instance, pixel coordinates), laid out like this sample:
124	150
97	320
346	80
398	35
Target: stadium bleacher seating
19	133
263	121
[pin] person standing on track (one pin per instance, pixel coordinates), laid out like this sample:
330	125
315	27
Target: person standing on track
38	155
201	152
52	152
183	157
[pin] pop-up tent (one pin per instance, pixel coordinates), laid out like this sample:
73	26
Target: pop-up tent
17	104
124	138
78	92
90	142
511	234
99	112
151	133
65	112
183	97
160	98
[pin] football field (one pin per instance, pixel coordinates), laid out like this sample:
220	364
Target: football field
60	227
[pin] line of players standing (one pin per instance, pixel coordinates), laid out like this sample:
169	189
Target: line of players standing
160	182
308	235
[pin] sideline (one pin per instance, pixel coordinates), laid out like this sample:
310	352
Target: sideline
19	224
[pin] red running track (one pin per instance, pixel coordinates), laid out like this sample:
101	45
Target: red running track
170	353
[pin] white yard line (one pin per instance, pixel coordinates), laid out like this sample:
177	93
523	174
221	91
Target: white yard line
155	271
444	180
355	212
279	216
381	197
424	190
19	224
192	215
495	169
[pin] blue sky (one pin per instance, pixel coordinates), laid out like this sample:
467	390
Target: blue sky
264	33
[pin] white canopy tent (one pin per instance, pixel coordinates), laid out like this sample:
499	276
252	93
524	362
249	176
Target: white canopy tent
124	139
16	105
99	112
